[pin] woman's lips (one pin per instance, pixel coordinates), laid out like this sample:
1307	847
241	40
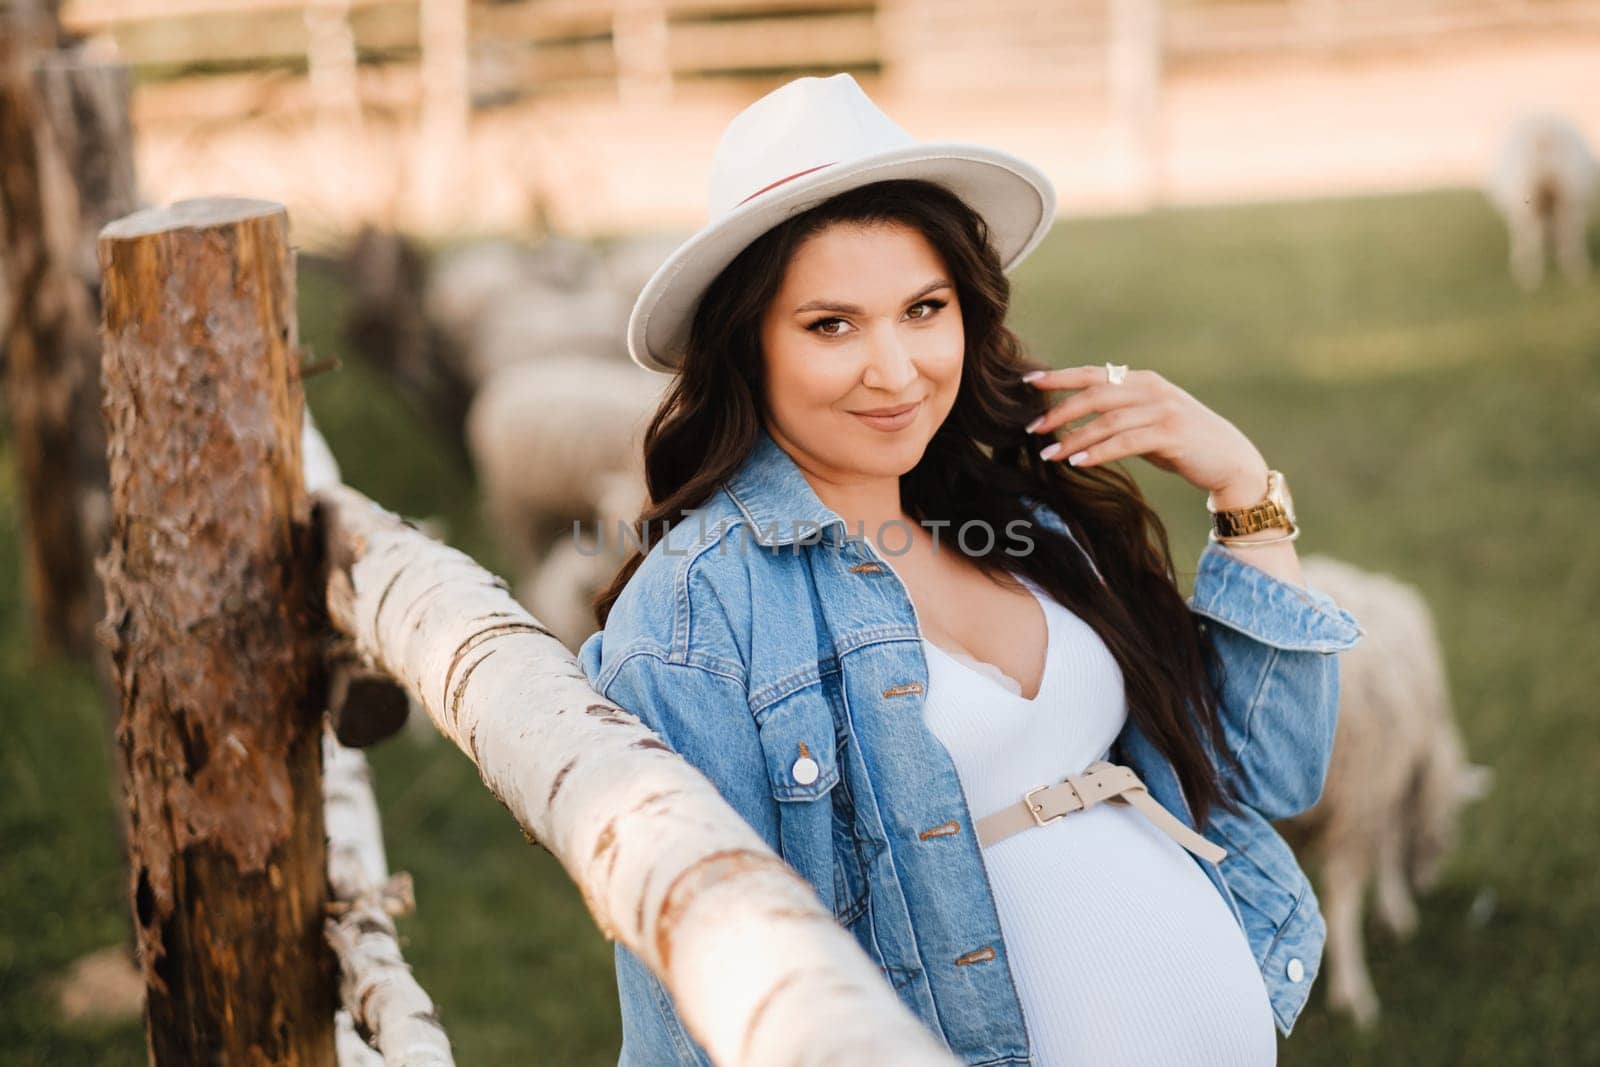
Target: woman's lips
889	423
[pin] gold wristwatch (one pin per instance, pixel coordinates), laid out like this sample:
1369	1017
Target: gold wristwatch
1275	511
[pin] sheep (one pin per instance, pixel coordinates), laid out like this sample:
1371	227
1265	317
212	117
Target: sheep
555	442
583	307
555	428
629	263
499	301
1544	183
463	282
536	320
1397	780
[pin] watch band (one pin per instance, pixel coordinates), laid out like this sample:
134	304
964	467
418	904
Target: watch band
1265	515
1256	517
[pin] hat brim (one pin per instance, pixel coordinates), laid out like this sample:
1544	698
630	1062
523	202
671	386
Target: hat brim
1013	196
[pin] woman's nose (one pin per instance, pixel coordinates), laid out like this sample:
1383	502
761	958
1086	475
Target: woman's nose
891	367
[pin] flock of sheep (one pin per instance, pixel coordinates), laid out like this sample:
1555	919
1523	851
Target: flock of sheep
554	431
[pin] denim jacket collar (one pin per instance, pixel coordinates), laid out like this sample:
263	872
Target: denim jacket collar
777	500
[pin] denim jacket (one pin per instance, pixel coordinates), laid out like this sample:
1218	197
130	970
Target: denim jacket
758	632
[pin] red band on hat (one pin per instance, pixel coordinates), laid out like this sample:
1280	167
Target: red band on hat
780	181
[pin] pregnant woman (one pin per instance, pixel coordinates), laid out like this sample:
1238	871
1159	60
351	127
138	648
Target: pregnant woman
931	646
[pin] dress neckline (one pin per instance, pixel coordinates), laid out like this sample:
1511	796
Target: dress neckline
1049	654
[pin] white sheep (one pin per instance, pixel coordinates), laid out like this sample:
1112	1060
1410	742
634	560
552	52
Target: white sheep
558	441
1544	182
464	281
500	301
1398	777
578	302
534	321
629	262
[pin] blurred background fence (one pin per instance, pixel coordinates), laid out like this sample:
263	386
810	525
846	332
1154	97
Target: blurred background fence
516	48
596	116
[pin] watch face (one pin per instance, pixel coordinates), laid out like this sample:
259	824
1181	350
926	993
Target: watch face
1285	501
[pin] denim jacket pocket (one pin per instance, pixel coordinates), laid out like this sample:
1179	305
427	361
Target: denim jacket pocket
815	817
799	741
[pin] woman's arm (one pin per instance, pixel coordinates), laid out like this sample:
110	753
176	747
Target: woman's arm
1279	694
1277	642
1279	558
1276	638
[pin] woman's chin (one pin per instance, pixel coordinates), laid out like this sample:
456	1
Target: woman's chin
889	453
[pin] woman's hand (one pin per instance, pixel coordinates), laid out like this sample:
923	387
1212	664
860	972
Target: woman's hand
1146	415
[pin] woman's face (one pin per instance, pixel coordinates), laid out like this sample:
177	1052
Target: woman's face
865	320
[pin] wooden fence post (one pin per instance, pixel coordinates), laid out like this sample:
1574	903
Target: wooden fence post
66	166
1135	58
213	626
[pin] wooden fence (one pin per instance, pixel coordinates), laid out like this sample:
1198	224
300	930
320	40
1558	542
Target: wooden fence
515	48
443	116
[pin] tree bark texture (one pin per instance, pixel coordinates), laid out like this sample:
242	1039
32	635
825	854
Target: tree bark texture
214	631
759	969
65	168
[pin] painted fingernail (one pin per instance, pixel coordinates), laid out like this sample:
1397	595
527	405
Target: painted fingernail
1031	375
1049	450
1034	425
1076	458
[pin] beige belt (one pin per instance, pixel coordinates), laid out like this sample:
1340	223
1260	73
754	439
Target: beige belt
1101	780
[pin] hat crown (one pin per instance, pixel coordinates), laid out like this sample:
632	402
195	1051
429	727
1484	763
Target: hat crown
803	126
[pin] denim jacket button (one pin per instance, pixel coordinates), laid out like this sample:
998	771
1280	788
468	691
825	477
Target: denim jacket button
804	770
1295	970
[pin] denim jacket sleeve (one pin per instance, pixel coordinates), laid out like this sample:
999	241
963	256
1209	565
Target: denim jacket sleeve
1279	693
704	716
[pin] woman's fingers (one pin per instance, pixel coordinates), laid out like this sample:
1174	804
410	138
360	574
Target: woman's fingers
1080	377
1092	434
1134	442
1096	394
1144	415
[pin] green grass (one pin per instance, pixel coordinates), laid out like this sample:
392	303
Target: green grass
1437	424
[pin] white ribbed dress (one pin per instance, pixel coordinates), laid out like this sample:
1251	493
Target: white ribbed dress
1123	952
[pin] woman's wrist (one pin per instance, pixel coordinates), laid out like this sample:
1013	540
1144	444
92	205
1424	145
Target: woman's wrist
1277	559
1250	487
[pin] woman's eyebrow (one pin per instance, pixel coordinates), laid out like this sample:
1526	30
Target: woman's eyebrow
852	309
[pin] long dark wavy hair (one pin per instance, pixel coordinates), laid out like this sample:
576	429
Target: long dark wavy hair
977	467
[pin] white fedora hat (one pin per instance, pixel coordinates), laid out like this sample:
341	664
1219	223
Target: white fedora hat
802	143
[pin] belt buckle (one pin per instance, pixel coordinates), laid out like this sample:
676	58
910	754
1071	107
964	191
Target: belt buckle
1034	809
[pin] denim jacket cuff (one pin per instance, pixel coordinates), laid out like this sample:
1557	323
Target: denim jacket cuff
1267	608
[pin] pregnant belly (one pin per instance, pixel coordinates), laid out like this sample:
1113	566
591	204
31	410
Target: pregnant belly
1122	949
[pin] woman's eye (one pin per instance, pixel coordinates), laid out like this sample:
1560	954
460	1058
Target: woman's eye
818	326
